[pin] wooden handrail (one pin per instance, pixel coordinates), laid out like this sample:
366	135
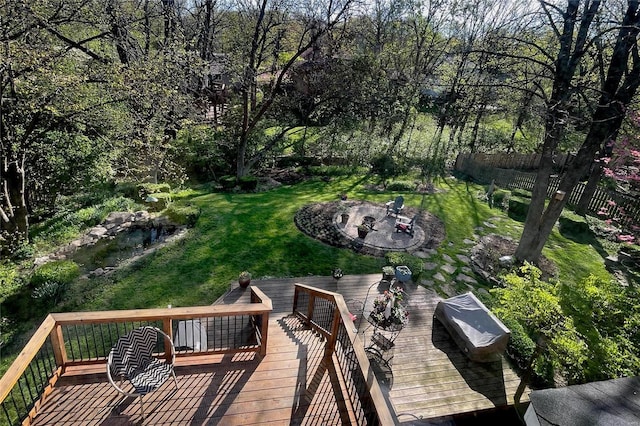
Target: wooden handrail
51	327
341	315
28	353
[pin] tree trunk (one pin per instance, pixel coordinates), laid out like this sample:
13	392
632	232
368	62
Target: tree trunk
15	215
590	189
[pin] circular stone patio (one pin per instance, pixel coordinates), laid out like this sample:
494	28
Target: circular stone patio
322	221
383	234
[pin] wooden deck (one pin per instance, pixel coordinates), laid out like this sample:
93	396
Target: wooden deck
430	378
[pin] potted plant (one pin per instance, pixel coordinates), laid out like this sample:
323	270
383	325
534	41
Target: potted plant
244	279
388	273
363	230
337	273
344	216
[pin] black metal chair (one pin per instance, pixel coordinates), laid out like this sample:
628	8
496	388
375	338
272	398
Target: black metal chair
135	368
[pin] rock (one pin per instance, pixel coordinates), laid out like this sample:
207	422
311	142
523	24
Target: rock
466	270
97	272
41	260
440	277
462	258
141	215
118	217
466	279
447	258
468	241
97	231
448	268
430	266
506	261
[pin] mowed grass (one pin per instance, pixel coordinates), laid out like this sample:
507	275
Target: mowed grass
256	232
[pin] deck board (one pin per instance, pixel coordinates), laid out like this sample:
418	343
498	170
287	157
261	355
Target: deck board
432	379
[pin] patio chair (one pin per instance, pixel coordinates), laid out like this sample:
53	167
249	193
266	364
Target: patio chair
404	224
132	363
395	206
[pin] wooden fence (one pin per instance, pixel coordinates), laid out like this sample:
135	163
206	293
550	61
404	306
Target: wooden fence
484	169
513	161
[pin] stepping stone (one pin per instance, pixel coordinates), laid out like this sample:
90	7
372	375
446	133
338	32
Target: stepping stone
468	241
489	224
466	279
449	269
447	258
466	270
462	258
427	283
422	254
430	266
440	277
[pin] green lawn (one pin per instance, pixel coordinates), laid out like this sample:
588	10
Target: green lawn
256	232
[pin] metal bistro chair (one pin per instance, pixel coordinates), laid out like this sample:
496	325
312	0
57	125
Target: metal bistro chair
132	360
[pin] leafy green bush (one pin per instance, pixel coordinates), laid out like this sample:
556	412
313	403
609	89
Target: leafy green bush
127	189
573	227
518	208
501	198
535	304
52	279
401	186
248	183
49	291
414	263
183	215
227	181
59	271
145	189
385	166
522	193
10	280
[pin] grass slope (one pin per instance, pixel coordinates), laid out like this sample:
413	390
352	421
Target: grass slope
256	232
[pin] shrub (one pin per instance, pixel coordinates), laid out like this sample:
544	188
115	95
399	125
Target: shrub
10	280
522	193
501	198
401	186
49	291
573	227
127	189
145	189
414	263
535	304
248	183
227	181
59	271
183	215
52	279
518	208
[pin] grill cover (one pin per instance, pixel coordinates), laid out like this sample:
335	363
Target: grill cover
478	333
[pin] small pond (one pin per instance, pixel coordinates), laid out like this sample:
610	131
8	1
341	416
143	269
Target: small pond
110	252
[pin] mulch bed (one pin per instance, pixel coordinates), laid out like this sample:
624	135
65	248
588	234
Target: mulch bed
316	221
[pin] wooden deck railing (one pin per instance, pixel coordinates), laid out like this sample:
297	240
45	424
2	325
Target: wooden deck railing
327	313
72	339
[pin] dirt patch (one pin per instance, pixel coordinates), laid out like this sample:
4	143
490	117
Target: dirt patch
493	255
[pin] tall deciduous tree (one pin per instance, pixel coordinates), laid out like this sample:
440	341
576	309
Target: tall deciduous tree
618	89
280	31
